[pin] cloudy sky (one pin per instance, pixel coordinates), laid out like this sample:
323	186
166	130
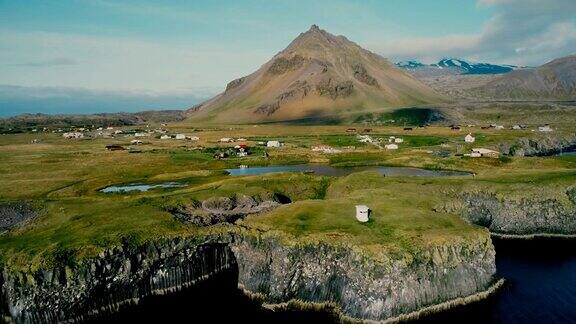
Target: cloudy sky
173	52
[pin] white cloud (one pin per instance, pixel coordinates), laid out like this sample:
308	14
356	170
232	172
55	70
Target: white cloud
529	32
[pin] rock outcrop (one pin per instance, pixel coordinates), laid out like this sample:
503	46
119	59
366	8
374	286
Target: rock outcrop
539	146
361	285
15	214
518	216
226	209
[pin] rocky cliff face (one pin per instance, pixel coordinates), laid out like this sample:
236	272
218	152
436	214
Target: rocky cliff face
362	286
541	146
117	277
524	216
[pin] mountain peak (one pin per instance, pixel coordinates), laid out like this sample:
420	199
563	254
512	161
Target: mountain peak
318	74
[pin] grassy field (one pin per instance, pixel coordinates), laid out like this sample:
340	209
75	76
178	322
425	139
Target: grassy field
62	177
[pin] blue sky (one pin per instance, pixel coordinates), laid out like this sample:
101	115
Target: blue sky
191	49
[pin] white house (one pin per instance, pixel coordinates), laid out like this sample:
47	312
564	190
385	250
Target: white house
73	135
544	129
391	146
180	136
163	137
484	152
273	144
362	213
469	138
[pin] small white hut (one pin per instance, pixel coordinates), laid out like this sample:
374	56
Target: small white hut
391	146
273	144
362	213
469	138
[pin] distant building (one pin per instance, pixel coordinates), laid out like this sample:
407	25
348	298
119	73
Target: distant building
484	152
545	129
163	137
469	138
180	136
362	213
73	135
391	146
273	144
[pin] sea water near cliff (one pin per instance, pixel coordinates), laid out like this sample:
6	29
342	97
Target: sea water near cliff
541	287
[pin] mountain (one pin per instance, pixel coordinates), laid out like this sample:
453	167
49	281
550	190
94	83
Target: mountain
554	80
319	75
453	66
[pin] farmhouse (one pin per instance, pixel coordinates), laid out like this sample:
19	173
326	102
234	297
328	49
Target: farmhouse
484	152
469	138
362	213
273	144
73	135
544	129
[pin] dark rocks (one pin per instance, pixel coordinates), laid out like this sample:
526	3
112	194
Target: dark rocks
235	83
362	286
267	109
282	65
362	75
227	210
119	276
15	214
522	216
335	89
539	146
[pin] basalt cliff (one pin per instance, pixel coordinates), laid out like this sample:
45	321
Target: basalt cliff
361	285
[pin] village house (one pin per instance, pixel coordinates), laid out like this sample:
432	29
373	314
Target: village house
391	146
544	129
273	144
483	152
73	135
362	213
469	138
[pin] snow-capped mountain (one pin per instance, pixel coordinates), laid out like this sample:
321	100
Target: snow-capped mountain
451	66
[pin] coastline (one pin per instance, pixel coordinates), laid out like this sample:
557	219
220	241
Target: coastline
296	304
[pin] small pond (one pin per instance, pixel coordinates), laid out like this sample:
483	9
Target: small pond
140	187
327	170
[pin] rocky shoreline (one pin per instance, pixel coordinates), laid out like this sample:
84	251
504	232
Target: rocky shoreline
360	285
